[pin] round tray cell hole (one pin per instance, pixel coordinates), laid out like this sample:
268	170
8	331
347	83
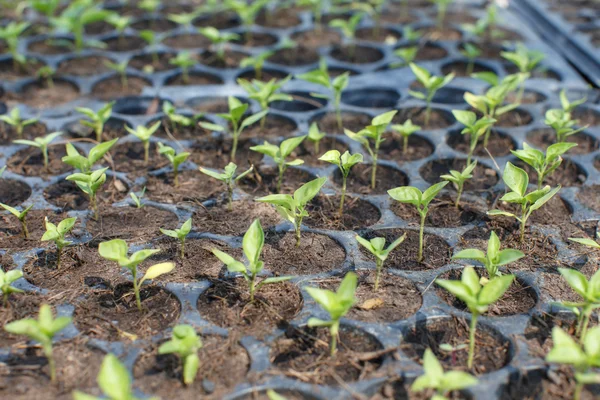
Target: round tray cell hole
449	95
138	105
3	107
302	102
371	98
13	192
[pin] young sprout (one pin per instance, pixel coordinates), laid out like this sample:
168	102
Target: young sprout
85	164
373	9
10	33
96	119
474	127
20	215
376	246
14	119
246	12
47	74
348	28
517	180
317	8
121	69
587	289
180	234
407	54
410	34
137	199
442	7
90	184
41	330
6	280
179	119
315	135
144	134
494	257
117	249
265	93
120	23
257	62
237	120
405	130
561	122
183	19
185	342
477	297
150	6
151	38
228	177
526	61
279	154
40	143
176	159
337	304
76	16
335	85
431	83
543	164
421	200
219	40
458	179
57	233
252	244
293	208
584	358
471	52
373	133
46	7
344	162
442	382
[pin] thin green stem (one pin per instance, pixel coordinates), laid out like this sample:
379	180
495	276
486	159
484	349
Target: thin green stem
341	208
182	248
24	228
252	287
230	196
136	290
146	152
587	313
421	229
99	129
472	340
379	266
176	177
428	112
459	194
297	227
280	177
523	222
404	144
51	363
236	136
58	256
333	345
578	390
5	299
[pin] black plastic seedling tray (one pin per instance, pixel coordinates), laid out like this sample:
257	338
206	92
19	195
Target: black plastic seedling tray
374	88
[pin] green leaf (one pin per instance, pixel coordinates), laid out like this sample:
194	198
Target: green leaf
253	242
308	191
457	380
494	289
516	179
113	250
431	192
232	264
98	151
211	127
288	145
190	368
586	242
332	156
406	194
421	73
508	256
565	350
458	289
114	379
157	270
470	254
576	280
384	119
467	118
253	119
544	199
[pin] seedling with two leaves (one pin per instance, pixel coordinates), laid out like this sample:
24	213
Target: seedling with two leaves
345	162
247	13
144	133
337	304
279	154
20	215
184	342
543	164
526	61
74	19
257	62
46	75
179	119
219	40
183	19
265	93
372	8
376	246
137	199
315	135
317	7
475	128
431	83
96	119
14	119
57	234
421	200
180	234
373	133
184	60
85	164
405	130
348	28
471	52
228	177
90	184
176	159
121	69
477	297
517	180
442	8
117	250
293	208
406	54
42	144
458	179
10	34
561	120
252	244
6	281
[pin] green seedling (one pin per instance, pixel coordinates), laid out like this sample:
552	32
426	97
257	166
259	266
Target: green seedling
184	60
247	12
114	381
150	6
494	257
90	184
180	234
345	162
315	135
42	144
74	19
185	342
442	382
96	119
337	304
410	34
373	133
458	179
583	358
176	159
265	93
10	34
431	83
526	61
57	234
348	29
14	119
120	23
219	40
46	7
405	130
442	8
85	164
20	215
179	119
257	62
137	199
336	85
46	73
562	124
589	290
406	54
117	250
421	200
517	180
121	69
6	280
293	208
41	330
279	154
151	38
477	297
373	9
474	127
376	246
252	244
317	8
238	122
569	106
228	177
471	52
183	19
543	164
144	133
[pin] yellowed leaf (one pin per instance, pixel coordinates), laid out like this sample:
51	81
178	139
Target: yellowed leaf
370	304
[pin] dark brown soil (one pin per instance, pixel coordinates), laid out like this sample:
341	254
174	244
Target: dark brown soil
396	299
489	51
567	174
304	354
352	121
359	180
231	59
30	132
10	72
98	28
438	119
499	144
455	17
187	41
67	195
434	34
307	151
111	88
442	213
384	35
20	305
392	149
544	137
299	55
514	118
218	20
263	180
143	62
589	196
314	38
13	192
483	176
436	252
256	39
280	18
224	363
11	234
430	51
50	47
555	286
129	157
194	78
216	153
357	55
358	213
275	126
586	116
315	255
266	76
113	128
155	24
529	97
38	95
491	351
227	304
83	66
218	220
461	68
30	162
172	131
194	187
